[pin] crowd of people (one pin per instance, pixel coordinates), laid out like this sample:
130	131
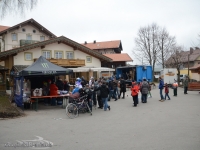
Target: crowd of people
102	90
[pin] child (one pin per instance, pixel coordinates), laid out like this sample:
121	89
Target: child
166	92
149	92
134	93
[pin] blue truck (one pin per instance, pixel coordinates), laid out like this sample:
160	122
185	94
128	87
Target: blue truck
136	72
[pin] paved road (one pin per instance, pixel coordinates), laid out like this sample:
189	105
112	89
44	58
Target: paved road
169	125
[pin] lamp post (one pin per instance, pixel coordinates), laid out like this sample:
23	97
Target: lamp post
188	63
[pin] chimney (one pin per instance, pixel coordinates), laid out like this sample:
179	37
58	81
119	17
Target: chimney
191	50
94	41
85	42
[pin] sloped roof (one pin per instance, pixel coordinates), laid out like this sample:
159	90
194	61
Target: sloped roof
32	22
60	39
3	28
195	67
119	57
104	45
184	56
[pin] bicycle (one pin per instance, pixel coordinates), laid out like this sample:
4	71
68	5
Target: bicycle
77	106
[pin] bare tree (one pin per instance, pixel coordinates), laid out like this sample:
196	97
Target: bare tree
175	61
16	6
146	46
165	44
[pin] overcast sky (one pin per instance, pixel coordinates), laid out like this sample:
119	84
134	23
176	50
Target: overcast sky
107	20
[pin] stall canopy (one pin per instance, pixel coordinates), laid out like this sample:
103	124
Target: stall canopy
43	67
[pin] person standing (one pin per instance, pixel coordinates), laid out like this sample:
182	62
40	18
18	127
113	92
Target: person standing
161	85
134	93
144	90
175	87
53	91
166	92
100	103
104	95
122	88
185	85
66	85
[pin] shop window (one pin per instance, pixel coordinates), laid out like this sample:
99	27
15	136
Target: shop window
69	55
88	59
28	56
58	55
46	54
14	37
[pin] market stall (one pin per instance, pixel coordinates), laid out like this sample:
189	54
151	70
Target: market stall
33	77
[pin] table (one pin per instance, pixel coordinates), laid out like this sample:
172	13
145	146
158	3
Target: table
65	99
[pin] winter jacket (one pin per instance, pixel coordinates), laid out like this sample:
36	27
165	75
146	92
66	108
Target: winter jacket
122	86
161	84
185	83
144	87
134	89
104	91
53	89
60	85
166	89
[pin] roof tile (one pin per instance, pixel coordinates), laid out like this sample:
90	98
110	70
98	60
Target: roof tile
119	57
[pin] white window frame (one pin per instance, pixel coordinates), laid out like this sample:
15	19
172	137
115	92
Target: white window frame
28	35
45	54
30	57
58	54
69	55
42	37
14	39
90	59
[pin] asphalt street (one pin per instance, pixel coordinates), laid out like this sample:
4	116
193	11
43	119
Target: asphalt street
170	125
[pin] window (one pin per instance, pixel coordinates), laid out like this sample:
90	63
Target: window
28	37
28	56
88	59
46	54
42	38
14	37
58	55
69	55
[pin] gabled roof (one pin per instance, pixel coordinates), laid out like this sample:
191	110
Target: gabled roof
3	28
195	67
104	45
30	22
60	39
119	57
184	56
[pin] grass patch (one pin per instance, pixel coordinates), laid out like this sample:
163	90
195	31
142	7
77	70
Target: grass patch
7	110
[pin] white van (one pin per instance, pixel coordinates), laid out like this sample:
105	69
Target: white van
182	76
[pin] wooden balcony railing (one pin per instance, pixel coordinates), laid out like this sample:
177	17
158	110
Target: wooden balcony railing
67	62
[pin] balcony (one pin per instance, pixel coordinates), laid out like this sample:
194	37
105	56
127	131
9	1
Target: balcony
27	42
67	62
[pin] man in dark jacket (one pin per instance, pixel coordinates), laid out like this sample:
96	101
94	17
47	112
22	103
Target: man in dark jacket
104	95
122	88
60	84
144	90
